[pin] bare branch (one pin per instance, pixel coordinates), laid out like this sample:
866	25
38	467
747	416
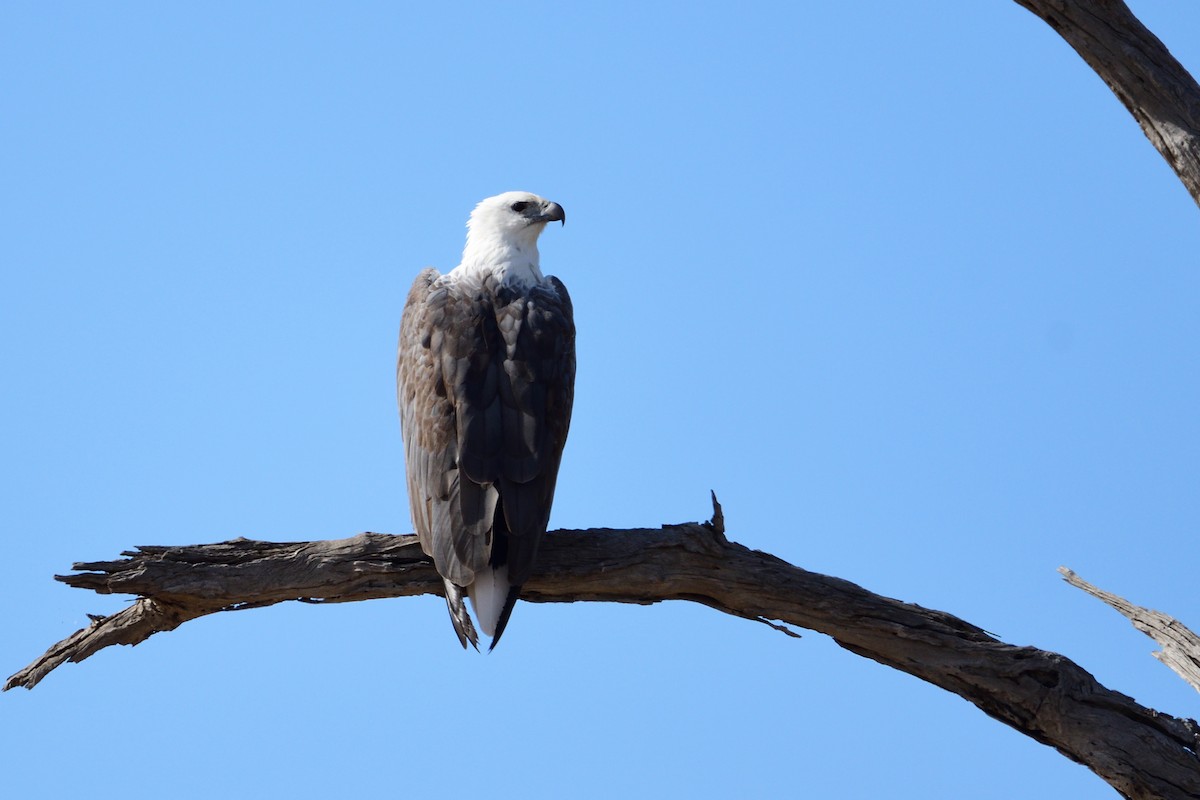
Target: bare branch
1142	753
131	626
1142	73
1181	647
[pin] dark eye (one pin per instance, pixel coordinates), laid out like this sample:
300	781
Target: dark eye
520	206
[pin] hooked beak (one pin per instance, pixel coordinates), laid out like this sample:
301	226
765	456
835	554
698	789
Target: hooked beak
553	212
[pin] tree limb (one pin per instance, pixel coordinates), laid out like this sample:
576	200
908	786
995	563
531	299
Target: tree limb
1181	646
1142	73
1142	753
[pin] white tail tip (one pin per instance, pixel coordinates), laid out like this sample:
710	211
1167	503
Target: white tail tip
488	594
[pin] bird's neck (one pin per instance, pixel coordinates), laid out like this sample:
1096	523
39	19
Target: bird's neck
505	258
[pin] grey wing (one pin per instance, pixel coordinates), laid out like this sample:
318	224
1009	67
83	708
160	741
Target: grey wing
427	424
442	359
536	393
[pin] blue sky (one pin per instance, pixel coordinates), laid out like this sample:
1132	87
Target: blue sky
906	286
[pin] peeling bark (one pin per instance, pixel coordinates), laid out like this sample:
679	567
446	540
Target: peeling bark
1140	752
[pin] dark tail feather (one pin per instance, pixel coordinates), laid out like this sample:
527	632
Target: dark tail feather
509	603
461	619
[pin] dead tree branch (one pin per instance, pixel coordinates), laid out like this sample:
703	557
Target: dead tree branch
1142	753
1181	646
1142	73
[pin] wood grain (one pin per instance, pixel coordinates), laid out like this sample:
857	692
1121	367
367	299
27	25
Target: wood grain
1150	82
1140	752
1181	646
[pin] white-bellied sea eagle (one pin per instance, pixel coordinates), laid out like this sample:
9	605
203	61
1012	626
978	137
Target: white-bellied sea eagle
485	381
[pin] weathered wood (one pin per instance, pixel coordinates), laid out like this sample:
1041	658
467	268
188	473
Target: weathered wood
1142	753
1181	646
1142	73
132	625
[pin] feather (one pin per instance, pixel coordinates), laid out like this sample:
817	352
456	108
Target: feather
459	616
488	595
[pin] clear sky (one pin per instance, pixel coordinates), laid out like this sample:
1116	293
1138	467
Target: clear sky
903	282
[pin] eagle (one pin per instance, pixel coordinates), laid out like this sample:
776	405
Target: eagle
485	382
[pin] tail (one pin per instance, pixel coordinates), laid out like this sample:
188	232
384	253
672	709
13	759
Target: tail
460	617
510	603
493	598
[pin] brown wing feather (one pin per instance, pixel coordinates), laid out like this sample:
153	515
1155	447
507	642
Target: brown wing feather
429	429
442	353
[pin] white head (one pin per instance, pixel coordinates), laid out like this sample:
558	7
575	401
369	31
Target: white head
503	231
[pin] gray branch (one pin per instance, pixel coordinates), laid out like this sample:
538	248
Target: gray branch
1181	646
1142	73
1140	752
